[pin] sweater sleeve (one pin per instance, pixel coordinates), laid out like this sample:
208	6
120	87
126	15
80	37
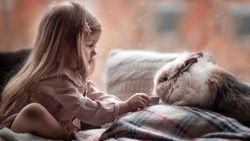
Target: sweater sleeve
89	110
94	94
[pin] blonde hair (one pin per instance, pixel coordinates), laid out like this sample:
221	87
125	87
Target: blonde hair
59	42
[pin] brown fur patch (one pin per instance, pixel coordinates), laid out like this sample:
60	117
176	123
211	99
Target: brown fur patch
231	97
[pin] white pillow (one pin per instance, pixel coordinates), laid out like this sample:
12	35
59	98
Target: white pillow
132	71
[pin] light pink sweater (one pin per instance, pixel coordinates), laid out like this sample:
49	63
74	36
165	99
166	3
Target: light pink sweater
69	98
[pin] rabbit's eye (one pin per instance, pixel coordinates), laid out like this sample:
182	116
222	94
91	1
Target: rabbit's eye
165	79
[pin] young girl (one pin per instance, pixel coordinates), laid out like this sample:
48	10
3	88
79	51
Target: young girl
51	94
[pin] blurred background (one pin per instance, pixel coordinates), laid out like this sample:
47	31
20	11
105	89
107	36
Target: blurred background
219	27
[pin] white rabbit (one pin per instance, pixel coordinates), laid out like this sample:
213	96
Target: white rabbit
193	79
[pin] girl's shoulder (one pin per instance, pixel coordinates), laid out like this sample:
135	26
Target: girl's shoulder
65	75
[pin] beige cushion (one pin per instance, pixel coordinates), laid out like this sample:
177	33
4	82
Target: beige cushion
132	71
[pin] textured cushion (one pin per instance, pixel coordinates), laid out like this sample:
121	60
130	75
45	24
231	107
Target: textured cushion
179	123
132	71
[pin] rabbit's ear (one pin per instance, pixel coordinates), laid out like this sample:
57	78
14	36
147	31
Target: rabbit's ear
197	54
193	58
188	63
209	58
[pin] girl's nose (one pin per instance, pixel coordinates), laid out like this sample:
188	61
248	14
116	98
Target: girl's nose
93	53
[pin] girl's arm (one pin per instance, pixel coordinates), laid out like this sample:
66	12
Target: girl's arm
136	101
82	107
96	112
94	94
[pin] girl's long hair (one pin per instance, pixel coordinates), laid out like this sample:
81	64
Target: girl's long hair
59	42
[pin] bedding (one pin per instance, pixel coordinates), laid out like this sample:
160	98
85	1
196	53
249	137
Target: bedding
166	122
132	71
128	72
7	135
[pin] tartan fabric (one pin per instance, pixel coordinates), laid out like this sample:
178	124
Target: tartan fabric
165	122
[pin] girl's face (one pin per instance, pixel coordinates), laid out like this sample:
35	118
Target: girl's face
90	45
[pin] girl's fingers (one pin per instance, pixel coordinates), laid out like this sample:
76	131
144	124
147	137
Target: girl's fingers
144	96
144	102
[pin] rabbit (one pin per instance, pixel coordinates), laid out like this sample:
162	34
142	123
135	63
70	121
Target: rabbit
194	79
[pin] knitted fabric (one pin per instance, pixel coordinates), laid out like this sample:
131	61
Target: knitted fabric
130	72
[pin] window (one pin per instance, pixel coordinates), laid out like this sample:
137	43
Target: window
168	17
241	12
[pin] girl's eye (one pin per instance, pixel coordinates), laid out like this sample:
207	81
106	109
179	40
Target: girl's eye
90	45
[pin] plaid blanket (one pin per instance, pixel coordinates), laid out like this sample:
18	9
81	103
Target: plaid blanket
165	122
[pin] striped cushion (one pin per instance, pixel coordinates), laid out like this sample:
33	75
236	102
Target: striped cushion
165	122
129	72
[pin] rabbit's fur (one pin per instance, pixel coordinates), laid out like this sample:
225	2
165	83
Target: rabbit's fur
193	79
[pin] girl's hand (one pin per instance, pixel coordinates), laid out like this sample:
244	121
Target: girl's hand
136	101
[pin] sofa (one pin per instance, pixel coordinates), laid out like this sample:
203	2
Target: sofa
10	63
131	71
